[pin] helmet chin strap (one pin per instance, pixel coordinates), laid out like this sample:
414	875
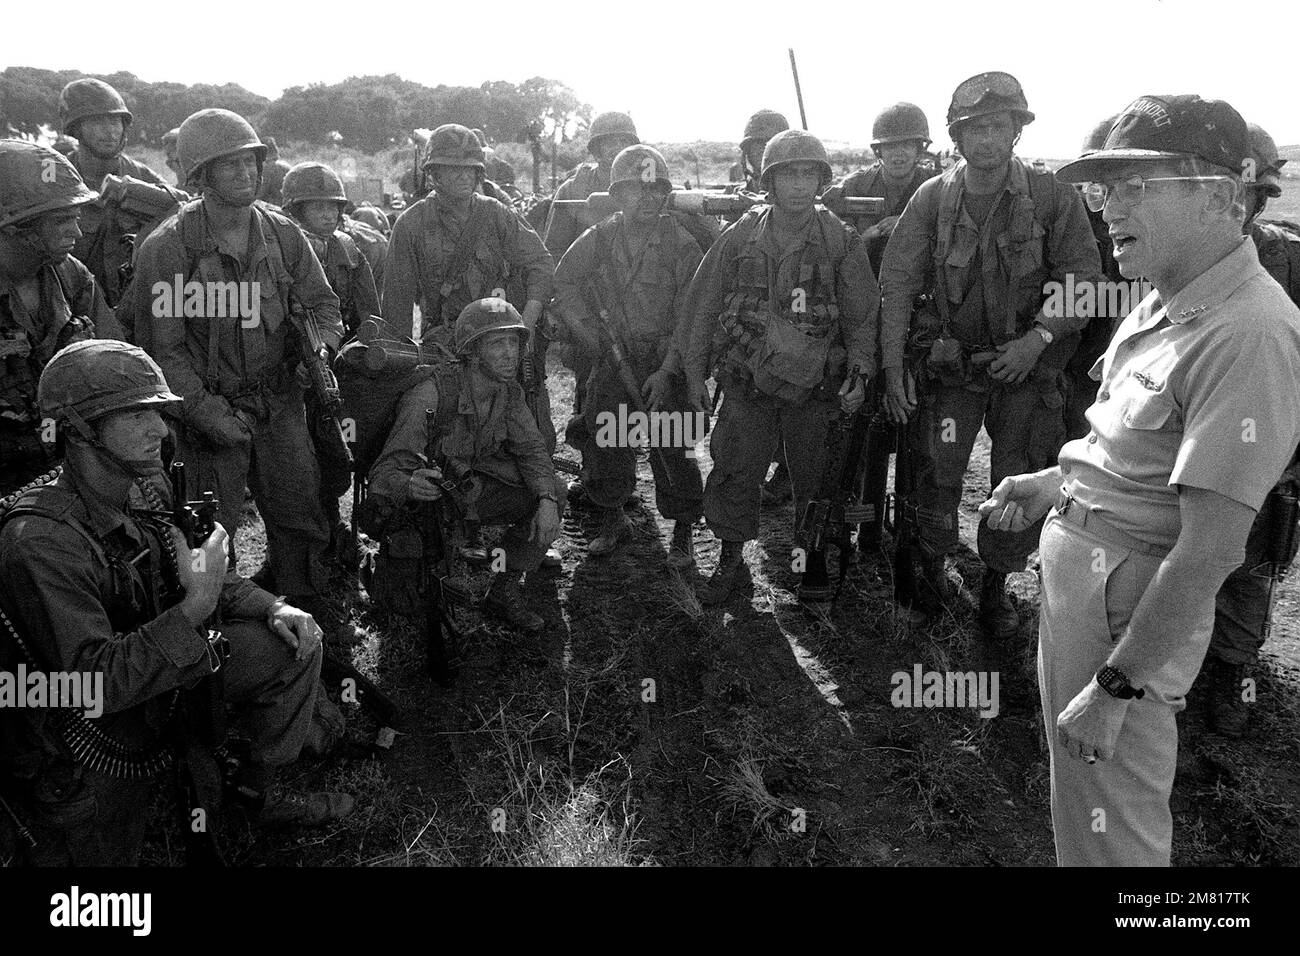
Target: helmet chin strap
130	467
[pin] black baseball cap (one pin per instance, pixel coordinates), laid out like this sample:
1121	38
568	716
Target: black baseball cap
1167	127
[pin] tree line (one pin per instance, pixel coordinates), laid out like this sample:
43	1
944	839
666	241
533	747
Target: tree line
367	112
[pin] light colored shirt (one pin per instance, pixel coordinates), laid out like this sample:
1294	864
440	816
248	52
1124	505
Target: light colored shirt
1199	391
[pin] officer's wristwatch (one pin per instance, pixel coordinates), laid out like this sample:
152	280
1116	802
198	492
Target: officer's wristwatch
1115	682
1045	333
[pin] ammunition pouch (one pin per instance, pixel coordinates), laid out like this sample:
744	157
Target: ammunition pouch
789	362
1280	514
398	572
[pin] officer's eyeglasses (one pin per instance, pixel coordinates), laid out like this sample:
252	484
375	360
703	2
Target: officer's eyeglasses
977	87
1132	191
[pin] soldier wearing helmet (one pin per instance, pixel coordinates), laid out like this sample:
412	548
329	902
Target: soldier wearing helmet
97	579
313	196
759	128
96	115
609	135
243	422
625	280
47	298
1242	606
373	217
484	432
900	136
456	245
981	241
784	310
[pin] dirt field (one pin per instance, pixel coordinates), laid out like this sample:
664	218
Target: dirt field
643	729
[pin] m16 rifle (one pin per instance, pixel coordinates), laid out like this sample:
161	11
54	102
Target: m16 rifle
830	517
601	205
1281	512
325	387
900	517
205	768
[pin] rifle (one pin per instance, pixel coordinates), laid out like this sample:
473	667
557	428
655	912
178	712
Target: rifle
441	634
830	516
901	510
372	700
315	358
204	766
600	205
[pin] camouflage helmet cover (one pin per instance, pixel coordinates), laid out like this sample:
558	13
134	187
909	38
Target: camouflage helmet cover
792	146
453	145
26	188
88	97
986	93
483	316
900	123
610	124
1268	162
311	181
212	133
373	217
762	126
95	377
639	164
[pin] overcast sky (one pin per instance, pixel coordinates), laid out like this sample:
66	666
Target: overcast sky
696	70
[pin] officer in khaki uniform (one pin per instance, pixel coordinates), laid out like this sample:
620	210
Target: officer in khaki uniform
95	113
1242	607
981	241
1153	508
96	580
484	434
636	266
47	298
785	307
243	423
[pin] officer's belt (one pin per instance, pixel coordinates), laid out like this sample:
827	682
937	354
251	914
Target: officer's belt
1074	512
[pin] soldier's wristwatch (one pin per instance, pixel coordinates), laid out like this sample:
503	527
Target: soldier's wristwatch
1115	682
1044	333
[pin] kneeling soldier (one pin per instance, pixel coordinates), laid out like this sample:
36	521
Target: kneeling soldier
485	439
93	587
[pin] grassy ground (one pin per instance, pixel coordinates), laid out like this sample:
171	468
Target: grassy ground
644	729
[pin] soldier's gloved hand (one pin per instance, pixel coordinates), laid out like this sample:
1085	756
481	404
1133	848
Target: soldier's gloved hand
546	523
295	627
655	389
851	399
882	229
423	484
202	572
1017	359
899	406
1020	500
697	393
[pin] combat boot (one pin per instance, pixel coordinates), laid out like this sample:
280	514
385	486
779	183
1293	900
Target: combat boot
815	584
998	614
682	552
934	590
731	573
282	807
1228	713
614	527
505	601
